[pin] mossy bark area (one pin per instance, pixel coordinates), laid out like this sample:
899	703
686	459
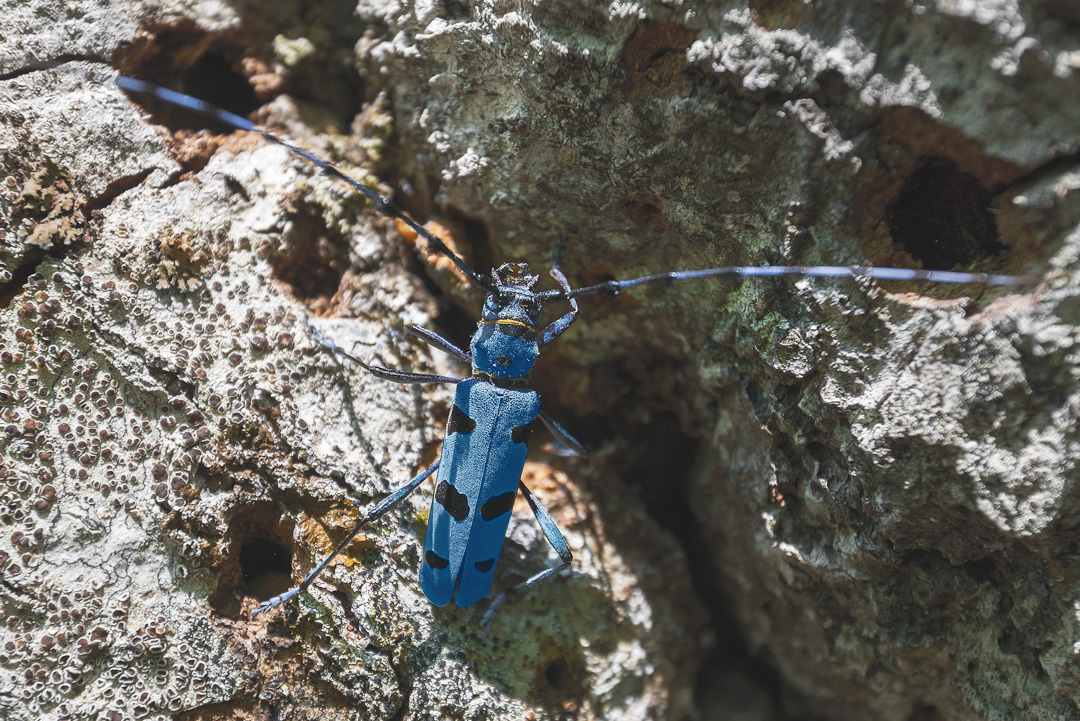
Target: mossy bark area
869	487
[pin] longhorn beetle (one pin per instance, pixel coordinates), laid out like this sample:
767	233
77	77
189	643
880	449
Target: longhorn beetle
483	453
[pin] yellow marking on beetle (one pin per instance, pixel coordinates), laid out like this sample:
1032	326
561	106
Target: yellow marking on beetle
499	378
508	321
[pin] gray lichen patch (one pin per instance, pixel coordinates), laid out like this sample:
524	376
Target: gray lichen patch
83	431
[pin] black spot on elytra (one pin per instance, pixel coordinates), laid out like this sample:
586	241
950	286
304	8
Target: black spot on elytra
435	560
521	434
455	502
504	361
484	566
459	421
497	505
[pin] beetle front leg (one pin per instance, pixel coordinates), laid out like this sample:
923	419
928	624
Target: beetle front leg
373	515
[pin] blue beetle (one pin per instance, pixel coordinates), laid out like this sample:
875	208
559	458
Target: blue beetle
483	450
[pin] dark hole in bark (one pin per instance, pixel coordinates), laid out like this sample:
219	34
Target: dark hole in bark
557	674
266	567
211	79
260	567
943	217
315	260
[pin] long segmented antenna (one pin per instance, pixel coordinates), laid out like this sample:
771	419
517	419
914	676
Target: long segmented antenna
565	293
383	205
614	287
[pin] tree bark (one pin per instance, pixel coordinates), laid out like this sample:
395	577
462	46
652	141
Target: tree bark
804	498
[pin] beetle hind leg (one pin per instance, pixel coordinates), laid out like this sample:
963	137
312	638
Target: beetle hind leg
557	540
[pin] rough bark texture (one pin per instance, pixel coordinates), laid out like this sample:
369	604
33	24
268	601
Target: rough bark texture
870	487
